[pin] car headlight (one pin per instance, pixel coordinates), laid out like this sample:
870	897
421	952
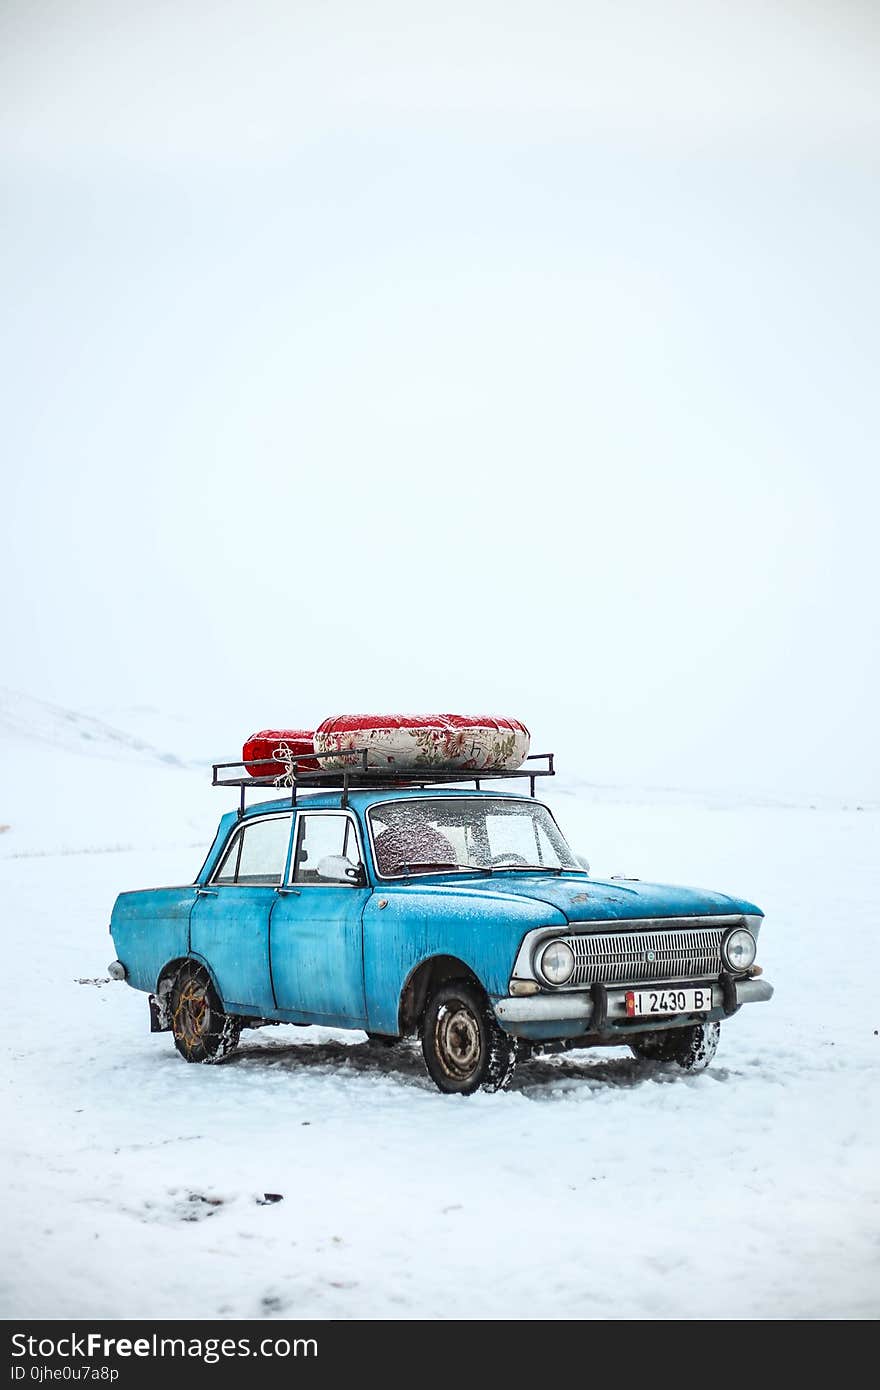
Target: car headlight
557	963
739	949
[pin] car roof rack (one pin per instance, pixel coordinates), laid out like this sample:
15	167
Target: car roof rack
357	775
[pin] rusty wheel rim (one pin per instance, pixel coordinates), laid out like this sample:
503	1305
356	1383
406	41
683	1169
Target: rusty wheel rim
457	1041
192	1015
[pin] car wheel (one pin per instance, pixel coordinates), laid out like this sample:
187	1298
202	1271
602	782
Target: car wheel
463	1045
202	1031
691	1049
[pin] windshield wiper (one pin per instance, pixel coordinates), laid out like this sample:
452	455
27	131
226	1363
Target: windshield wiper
477	868
437	867
526	869
537	869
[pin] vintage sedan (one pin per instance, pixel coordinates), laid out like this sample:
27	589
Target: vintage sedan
456	914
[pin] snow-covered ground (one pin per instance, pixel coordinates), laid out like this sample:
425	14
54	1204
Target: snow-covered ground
133	1185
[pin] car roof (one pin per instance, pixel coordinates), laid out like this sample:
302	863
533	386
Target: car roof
361	799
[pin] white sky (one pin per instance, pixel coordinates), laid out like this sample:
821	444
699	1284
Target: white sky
495	357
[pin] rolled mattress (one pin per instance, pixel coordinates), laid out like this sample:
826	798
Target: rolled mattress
408	742
269	752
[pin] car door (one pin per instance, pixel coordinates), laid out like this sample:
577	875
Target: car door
316	929
229	925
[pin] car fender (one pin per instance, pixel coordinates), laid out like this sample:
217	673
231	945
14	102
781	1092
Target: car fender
407	925
171	968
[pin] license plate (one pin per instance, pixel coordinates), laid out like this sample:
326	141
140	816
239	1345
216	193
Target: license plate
640	1002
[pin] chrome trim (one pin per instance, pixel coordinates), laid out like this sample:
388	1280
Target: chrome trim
728	963
561	1007
688	948
544	1008
646	956
577	1006
753	991
470	796
539	962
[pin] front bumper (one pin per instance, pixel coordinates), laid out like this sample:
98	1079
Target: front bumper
601	1013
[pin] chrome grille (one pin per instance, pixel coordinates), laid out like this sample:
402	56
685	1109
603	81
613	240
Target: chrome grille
625	957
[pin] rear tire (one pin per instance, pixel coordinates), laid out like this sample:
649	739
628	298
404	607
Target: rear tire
690	1049
463	1045
201	1030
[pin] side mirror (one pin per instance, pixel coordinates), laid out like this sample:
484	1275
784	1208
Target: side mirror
337	869
584	862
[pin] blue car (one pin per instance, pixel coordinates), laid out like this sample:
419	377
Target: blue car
426	907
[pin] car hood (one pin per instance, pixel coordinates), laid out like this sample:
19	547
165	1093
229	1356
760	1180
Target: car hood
583	899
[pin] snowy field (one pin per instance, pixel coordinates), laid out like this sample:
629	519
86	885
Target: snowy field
133	1184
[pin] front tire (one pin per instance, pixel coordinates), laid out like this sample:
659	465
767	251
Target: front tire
463	1045
690	1049
201	1030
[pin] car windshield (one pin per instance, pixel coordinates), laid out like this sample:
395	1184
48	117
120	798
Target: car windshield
490	834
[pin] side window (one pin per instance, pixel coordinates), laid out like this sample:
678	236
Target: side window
257	853
321	838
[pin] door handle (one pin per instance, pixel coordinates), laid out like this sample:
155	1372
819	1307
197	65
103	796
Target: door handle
289	892
207	893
